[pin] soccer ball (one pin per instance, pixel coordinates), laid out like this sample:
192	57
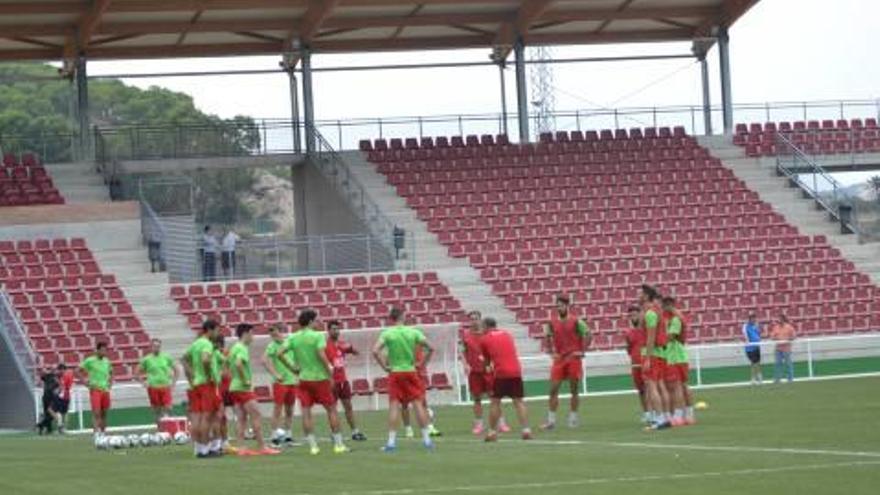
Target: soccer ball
117	442
102	442
181	438
133	440
146	440
164	438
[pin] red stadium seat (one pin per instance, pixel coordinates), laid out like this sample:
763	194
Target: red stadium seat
361	387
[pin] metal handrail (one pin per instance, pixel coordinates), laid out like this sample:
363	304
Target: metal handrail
274	136
334	168
786	148
150	224
17	340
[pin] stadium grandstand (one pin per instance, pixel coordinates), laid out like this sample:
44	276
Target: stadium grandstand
105	241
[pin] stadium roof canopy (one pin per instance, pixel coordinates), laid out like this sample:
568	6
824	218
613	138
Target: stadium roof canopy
129	29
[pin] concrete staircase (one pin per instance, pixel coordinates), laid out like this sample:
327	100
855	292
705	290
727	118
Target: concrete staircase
760	176
120	253
78	182
147	292
428	254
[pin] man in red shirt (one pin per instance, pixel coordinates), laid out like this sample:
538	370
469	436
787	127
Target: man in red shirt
67	380
336	350
479	381
634	336
566	338
502	360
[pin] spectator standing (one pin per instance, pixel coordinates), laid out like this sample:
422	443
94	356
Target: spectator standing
62	400
227	255
783	334
50	392
210	248
752	335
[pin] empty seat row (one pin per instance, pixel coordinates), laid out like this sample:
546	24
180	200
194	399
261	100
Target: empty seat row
42	245
602	151
827	124
827	137
24	181
25	159
355	300
290	286
502	139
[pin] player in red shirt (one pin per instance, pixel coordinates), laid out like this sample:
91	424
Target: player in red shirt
479	381
502	360
336	350
566	338
634	336
62	404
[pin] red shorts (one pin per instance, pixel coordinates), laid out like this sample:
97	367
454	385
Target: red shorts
342	390
242	398
405	387
205	399
284	395
190	399
657	371
159	397
638	379
677	372
311	393
566	369
508	387
480	384
100	399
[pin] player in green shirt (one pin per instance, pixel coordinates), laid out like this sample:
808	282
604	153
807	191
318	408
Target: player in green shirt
97	372
654	363
241	390
395	351
205	406
221	376
308	346
284	387
677	365
158	374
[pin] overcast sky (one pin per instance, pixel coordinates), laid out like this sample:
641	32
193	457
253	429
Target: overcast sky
781	50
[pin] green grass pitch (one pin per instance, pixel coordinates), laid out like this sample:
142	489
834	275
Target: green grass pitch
817	437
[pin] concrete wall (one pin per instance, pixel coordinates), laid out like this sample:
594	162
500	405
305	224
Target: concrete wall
320	210
16	401
124	234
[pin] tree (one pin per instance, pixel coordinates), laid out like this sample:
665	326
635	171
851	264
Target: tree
36	114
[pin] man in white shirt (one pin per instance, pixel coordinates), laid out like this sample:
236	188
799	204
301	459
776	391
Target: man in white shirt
210	248
227	255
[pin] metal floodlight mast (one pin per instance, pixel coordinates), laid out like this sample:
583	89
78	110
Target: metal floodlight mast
543	94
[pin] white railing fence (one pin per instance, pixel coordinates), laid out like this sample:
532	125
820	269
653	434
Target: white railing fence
712	365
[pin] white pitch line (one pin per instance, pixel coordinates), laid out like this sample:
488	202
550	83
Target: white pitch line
620	479
718	448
